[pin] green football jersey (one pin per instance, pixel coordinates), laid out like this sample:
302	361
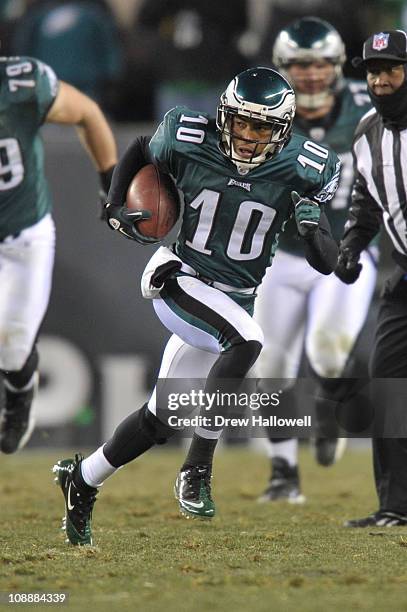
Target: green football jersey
353	103
28	88
231	222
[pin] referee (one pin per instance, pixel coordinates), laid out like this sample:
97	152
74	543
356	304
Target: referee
380	196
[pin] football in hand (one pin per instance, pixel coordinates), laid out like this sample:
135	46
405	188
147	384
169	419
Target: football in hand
154	191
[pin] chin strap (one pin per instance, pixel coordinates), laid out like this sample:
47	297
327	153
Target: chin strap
244	167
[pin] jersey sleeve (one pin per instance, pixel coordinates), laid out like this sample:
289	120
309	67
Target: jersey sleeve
320	248
162	143
46	89
31	87
328	181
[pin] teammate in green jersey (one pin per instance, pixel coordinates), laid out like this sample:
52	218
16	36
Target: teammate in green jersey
319	313
30	94
242	176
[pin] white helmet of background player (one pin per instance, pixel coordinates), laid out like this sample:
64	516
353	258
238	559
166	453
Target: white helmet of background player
261	95
308	40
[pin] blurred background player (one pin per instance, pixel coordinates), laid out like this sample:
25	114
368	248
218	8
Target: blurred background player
240	176
31	95
310	311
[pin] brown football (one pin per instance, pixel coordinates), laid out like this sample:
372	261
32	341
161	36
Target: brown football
155	191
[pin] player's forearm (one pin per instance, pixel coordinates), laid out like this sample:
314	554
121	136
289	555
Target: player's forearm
136	156
98	140
321	250
72	107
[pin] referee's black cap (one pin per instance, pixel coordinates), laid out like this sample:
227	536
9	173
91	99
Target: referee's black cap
388	45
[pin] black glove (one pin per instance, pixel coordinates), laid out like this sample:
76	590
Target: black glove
163	272
348	267
307	215
124	220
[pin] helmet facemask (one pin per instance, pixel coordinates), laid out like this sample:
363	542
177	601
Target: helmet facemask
333	83
276	121
311	40
273	142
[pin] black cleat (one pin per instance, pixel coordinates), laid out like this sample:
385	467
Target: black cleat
379	519
79	501
17	419
284	484
193	492
329	450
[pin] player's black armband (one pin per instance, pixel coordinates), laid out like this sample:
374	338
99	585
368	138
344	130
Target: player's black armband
321	250
136	157
105	178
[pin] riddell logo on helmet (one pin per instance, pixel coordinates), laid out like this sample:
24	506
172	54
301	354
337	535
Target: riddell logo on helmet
380	41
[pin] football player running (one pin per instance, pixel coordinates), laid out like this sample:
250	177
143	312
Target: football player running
242	176
311	311
30	96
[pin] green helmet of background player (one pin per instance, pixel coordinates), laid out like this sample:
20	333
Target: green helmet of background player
309	40
263	97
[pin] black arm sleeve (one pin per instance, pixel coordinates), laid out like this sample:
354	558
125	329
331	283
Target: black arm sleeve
321	250
137	155
364	218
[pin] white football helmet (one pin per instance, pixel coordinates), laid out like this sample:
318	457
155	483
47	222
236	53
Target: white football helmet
305	41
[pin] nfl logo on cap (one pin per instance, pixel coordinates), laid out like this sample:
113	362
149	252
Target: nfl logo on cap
380	41
390	45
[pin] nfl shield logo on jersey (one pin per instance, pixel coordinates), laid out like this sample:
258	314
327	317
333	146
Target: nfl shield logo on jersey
380	41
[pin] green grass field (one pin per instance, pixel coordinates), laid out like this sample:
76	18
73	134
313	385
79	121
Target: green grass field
253	557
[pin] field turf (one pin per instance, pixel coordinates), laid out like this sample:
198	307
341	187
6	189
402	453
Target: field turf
253	557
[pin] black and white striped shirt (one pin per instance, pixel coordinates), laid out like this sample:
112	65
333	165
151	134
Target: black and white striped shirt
380	189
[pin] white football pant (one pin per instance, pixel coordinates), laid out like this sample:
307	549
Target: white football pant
195	344
26	264
297	306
